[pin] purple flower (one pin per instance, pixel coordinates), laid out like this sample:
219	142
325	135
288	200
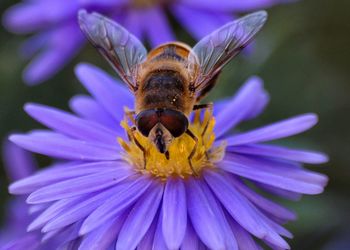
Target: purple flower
13	235
101	192
58	39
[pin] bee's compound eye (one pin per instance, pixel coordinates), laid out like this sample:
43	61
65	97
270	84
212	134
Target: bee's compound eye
175	121
146	120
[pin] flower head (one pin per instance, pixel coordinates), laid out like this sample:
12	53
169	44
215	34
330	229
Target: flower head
104	195
54	21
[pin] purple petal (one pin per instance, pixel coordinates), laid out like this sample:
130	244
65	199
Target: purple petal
79	186
244	239
140	218
86	107
65	148
203	217
236	204
289	127
110	93
116	204
160	32
54	210
71	125
263	203
82	209
174	213
281	152
275	173
191	241
191	17
103	237
240	106
29	17
279	192
56	54
18	163
158	241
147	241
60	172
232	5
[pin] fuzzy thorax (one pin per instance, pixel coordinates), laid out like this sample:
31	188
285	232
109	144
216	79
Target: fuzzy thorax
150	160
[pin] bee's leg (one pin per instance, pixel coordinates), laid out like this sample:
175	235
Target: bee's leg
193	150
208	106
129	114
138	144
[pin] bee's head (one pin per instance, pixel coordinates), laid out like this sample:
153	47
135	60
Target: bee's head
161	126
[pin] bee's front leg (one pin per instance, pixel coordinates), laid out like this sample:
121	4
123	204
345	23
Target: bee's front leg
138	144
193	151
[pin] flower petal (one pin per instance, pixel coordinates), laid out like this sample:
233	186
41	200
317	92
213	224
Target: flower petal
203	216
280	152
116	204
79	185
109	92
65	148
71	125
140	218
240	106
244	239
291	126
191	17
174	217
160	32
275	173
86	107
18	163
60	172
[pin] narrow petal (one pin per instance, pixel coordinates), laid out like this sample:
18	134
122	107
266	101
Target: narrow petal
65	148
140	218
244	239
103	237
203	216
109	92
86	107
281	152
278	130
79	185
174	215
160	32
279	192
116	204
236	204
55	55
71	125
158	241
263	203
275	173
240	106
191	240
18	163
60	172
191	17
82	209
147	241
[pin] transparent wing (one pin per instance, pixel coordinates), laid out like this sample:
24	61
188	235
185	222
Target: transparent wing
212	53
121	49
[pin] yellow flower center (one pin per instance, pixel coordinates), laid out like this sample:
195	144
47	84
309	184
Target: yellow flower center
150	160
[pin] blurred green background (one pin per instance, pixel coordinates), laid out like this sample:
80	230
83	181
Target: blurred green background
303	55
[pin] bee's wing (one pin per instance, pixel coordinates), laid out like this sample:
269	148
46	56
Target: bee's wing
212	53
122	49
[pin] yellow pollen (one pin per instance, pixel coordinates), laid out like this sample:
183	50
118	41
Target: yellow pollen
179	150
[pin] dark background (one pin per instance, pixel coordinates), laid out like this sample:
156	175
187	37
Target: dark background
303	56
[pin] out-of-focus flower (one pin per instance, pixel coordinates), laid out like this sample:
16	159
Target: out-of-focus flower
13	235
58	39
103	190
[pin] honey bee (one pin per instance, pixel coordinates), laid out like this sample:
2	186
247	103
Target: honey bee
169	81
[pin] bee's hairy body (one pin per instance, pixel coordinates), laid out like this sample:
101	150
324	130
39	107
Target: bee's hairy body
164	81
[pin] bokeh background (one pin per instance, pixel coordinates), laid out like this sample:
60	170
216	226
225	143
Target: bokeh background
303	55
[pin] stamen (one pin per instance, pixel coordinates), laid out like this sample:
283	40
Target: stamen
141	153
